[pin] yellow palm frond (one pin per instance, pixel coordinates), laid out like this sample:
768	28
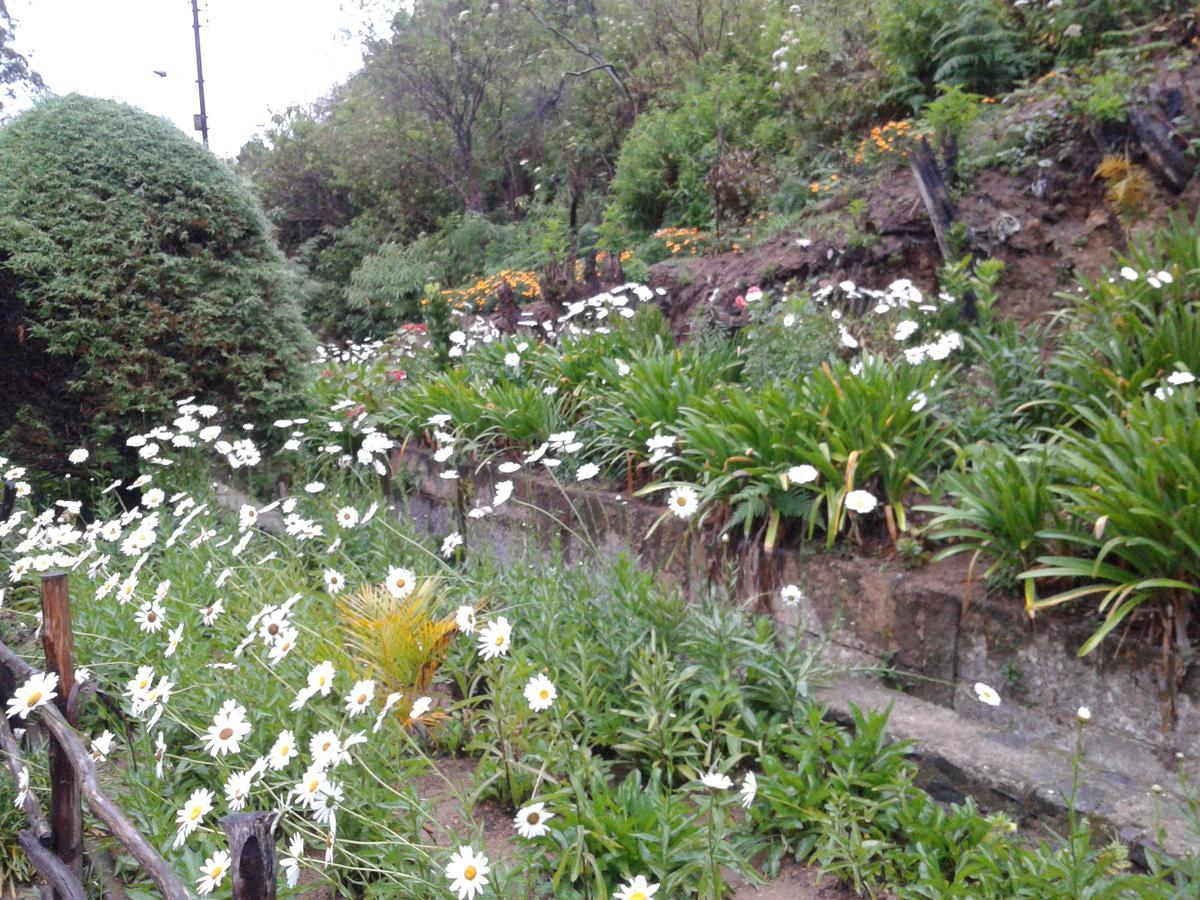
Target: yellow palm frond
400	642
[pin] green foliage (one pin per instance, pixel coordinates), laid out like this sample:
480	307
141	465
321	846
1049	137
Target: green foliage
387	287
1005	397
660	177
1105	97
1132	477
873	428
952	112
977	278
966	43
645	398
1124	334
977	48
788	340
438	325
15	870
1003	503
135	269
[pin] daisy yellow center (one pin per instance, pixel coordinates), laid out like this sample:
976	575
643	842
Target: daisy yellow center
469	873
226	733
637	895
499	640
400	582
34	698
218	871
196	813
682	501
285	750
544	694
325	746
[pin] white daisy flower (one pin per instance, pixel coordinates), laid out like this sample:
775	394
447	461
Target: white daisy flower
420	706
683	502
495	638
38	690
716	780
803	474
307	788
334	582
228	729
749	789
503	491
464	619
400	582
531	820
360	697
237	790
320	678
861	501
637	889
283	751
199	805
291	863
213	872
150	617
468	870
452	542
540	693
102	746
986	694
791	595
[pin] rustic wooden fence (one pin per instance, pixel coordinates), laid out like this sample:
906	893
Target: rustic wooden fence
54	844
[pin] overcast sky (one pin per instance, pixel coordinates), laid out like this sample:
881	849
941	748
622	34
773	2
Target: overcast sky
260	56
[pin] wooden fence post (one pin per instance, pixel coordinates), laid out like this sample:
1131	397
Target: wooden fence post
66	811
252	855
8	500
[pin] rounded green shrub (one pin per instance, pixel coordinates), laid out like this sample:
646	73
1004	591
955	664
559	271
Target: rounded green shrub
135	269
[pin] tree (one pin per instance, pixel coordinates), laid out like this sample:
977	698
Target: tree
135	269
17	80
459	66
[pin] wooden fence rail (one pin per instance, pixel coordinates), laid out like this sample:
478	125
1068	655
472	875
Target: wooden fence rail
55	847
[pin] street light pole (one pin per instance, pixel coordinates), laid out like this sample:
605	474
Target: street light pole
201	123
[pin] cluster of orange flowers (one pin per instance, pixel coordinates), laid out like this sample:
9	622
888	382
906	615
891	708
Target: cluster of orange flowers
883	138
827	185
477	295
682	240
600	258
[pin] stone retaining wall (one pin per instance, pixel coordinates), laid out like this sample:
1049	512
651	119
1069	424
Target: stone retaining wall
871	610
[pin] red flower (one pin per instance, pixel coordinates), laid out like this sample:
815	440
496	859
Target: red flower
398	374
740	302
327	373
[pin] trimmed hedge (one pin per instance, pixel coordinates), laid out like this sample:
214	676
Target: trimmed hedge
135	269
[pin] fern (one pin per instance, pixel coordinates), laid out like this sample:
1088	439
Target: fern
976	49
